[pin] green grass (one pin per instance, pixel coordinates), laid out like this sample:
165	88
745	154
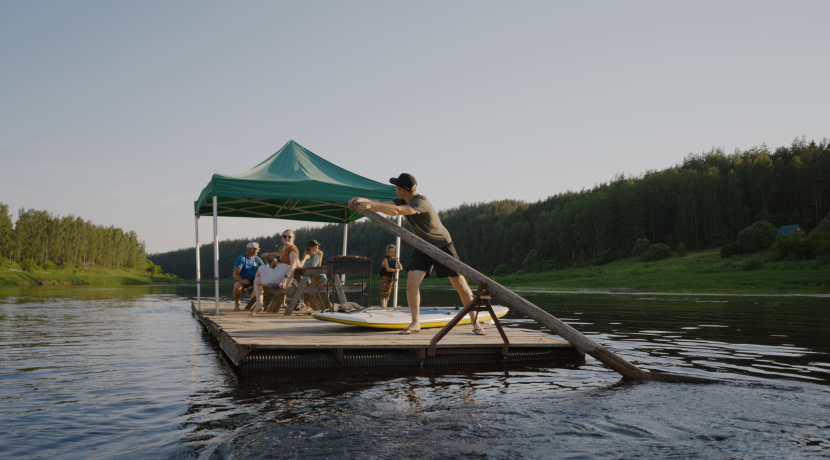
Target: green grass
99	276
698	272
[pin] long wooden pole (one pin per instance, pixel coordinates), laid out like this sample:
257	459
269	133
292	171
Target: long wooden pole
574	337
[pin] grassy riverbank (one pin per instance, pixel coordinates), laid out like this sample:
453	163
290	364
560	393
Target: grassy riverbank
696	272
87	276
700	271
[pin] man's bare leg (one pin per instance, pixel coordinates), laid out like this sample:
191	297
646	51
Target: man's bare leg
237	294
413	298
460	285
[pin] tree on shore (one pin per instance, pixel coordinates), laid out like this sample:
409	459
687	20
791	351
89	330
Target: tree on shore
39	239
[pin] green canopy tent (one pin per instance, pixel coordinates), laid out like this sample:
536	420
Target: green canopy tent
292	184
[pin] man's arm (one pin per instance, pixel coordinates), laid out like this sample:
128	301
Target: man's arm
389	208
236	271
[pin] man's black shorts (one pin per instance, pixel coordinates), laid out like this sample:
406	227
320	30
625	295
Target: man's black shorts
425	263
250	282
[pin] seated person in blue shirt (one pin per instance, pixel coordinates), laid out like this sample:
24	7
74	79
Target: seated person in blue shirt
244	271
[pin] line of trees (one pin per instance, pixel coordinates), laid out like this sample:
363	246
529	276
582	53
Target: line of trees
40	239
702	202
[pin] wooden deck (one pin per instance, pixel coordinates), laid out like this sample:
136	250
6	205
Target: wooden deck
242	337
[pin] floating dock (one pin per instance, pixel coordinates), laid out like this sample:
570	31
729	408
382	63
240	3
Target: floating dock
275	342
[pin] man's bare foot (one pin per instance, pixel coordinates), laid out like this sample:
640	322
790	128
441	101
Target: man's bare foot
236	307
479	329
255	311
411	328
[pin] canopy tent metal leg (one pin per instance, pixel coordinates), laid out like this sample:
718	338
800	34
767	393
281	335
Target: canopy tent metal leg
216	252
198	269
345	245
397	256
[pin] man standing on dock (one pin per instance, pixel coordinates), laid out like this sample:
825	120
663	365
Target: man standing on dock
244	271
425	223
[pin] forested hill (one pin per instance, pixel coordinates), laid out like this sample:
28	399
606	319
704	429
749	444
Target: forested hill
40	239
703	202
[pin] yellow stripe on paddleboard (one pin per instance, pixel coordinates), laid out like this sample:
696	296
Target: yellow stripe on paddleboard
466	320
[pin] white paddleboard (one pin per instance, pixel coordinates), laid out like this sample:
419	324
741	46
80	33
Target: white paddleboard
399	319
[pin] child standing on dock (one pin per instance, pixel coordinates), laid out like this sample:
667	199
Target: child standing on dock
425	223
388	268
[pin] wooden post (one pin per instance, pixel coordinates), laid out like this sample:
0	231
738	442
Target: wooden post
298	295
574	337
338	287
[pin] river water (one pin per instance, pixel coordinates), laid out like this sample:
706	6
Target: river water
128	373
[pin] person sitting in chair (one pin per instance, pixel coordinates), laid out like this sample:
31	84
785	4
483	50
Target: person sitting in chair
313	257
282	275
244	271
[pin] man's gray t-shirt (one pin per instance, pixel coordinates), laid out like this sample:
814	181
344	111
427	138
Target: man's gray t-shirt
426	223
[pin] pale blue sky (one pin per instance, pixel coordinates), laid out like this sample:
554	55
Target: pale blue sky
120	112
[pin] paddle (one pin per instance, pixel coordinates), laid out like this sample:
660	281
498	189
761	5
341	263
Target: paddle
510	298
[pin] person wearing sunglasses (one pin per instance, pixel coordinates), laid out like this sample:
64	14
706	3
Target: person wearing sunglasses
282	274
424	222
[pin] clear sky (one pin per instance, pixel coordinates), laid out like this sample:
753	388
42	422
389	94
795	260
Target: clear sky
119	112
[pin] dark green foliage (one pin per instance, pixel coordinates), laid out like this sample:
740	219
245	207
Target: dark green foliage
681	249
605	256
823	226
152	269
791	248
820	244
729	250
752	264
640	247
29	265
501	270
815	245
757	237
6	232
51	241
581	260
533	263
657	252
704	202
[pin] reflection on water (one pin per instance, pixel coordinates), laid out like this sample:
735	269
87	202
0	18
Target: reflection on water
128	373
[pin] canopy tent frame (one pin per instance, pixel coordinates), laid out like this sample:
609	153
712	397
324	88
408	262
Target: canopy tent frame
293	184
216	213
350	214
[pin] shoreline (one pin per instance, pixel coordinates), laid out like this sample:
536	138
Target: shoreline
10	277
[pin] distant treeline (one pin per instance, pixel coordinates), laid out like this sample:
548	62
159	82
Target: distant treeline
40	239
702	202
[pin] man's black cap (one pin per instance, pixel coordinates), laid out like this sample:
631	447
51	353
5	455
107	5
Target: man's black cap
404	181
